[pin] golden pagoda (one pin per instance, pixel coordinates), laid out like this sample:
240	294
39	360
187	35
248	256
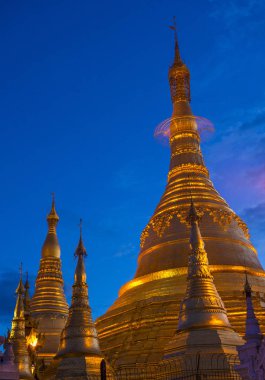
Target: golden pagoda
17	336
142	320
48	307
203	326
79	355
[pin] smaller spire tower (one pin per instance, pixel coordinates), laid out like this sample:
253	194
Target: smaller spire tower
26	301
17	335
48	308
203	325
253	332
79	354
253	336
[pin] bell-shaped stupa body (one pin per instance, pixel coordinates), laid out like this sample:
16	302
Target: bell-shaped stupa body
17	337
144	317
79	356
48	307
203	325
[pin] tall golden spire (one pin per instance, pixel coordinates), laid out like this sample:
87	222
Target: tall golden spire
159	283
203	325
79	343
48	305
17	335
179	80
202	306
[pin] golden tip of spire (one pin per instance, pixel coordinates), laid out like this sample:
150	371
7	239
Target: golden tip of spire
177	58
193	214
20	288
80	250
53	214
26	285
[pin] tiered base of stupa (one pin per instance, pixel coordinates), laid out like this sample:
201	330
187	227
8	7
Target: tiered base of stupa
141	322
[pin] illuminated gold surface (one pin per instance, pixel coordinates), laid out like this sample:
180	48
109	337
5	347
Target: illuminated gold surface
144	317
17	337
79	355
202	312
48	307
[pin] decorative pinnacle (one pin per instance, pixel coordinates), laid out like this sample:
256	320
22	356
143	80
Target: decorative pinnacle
193	216
80	250
52	217
20	289
26	285
177	59
196	241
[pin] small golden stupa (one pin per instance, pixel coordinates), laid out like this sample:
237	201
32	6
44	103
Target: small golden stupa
203	325
17	336
142	320
79	354
48	307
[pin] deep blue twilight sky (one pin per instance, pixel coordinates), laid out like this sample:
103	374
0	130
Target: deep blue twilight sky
83	85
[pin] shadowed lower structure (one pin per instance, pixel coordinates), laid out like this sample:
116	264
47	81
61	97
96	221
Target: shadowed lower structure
252	353
139	324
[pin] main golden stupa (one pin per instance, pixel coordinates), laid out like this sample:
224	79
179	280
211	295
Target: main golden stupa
137	327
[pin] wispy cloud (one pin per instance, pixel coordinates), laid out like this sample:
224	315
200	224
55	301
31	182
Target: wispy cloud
128	249
237	154
234	11
257	121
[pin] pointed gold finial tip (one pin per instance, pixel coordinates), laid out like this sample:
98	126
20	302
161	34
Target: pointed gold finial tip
20	288
26	285
177	58
53	214
196	241
192	215
80	250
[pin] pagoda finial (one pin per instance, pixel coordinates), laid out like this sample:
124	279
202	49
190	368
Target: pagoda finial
196	241
179	80
20	288
253	331
26	285
52	217
80	250
51	246
177	58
